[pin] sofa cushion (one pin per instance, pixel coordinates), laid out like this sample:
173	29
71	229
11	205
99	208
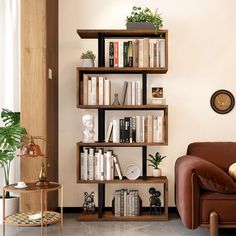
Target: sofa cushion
210	176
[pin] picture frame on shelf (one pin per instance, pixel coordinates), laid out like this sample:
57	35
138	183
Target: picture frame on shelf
157	95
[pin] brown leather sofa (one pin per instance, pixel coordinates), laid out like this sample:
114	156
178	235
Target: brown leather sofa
205	194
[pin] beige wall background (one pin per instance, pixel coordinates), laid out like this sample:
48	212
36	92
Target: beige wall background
202	49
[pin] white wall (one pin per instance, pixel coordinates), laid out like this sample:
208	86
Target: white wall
202	49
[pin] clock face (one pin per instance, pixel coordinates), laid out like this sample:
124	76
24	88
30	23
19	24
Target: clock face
222	101
132	172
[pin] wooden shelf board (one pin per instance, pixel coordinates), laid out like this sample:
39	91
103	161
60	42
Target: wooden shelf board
148	179
122	70
111	33
110	144
124	107
108	216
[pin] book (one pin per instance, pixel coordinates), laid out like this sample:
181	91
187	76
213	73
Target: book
138	129
109	166
133	129
140	52
91	164
130	54
116	54
109	131
111	54
96	166
160	129
102	172
125	54
142	129
124	92
133	93
122	130
116	131
94	91
117	167
162	52
155	53
146	52
85	90
138	93
100	90
127	129
151	54
129	94
107	92
89	91
84	164
149	128
121	57
155	130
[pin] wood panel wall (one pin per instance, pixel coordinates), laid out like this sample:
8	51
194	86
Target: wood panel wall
39	96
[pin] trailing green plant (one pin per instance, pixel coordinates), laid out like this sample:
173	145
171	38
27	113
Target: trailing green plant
88	55
155	160
145	15
11	138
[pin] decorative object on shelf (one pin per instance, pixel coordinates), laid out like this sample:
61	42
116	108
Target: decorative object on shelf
88	131
31	149
157	95
89	205
21	184
132	172
143	19
222	101
88	59
155	202
155	161
116	100
232	171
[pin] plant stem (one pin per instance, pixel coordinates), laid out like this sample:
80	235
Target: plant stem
6	169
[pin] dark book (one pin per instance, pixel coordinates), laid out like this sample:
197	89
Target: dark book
122	129
127	129
125	54
124	92
134	129
111	54
130	54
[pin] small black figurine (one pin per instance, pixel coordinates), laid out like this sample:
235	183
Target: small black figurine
155	202
89	205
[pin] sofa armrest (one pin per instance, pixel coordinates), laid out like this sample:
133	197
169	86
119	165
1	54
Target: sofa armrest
187	192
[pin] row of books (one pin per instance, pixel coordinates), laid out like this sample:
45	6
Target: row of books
96	90
99	165
144	52
139	129
127	203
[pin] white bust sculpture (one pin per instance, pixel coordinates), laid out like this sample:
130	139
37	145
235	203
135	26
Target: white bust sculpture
88	130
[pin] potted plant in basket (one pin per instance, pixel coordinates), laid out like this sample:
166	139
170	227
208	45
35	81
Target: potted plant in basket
88	59
143	19
11	136
155	161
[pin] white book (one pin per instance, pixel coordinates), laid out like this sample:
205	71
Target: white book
84	165
102	167
160	129
138	93
140	63
89	91
107	92
142	129
109	166
162	52
124	93
109	131
129	94
151	54
138	129
96	167
116	131
85	90
121	54
133	93
117	167
116	202
155	130
158	54
100	91
91	164
125	202
94	91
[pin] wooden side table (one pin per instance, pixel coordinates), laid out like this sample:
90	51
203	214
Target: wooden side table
47	217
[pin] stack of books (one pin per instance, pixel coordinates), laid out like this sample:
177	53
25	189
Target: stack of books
99	165
137	53
96	90
127	203
136	129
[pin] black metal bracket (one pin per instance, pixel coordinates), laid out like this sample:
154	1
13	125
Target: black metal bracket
101	50
144	87
101	199
144	160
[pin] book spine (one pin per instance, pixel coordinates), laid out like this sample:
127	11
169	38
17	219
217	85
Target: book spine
138	93
151	53
111	54
94	91
109	166
134	129
125	54
158	53
124	93
160	129
85	90
121	131
150	129
109	130
136	203
133	93
116	54
140	53
102	167
82	166
130	54
101	92
116	202
117	166
142	129
89	91
138	129
126	130
137	53
162	52
122	202
155	130
134	53
155	55
129	94
96	166
125	202
121	56
116	133
91	164
146	52
107	92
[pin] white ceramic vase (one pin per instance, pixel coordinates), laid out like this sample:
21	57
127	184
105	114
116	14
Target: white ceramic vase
88	63
11	207
156	172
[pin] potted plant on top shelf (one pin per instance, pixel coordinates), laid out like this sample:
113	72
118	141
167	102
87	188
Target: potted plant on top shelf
11	137
88	58
155	161
143	19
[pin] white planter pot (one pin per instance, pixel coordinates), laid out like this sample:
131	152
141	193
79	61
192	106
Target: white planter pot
11	207
156	172
88	63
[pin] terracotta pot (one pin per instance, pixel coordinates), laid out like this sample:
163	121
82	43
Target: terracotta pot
11	207
156	172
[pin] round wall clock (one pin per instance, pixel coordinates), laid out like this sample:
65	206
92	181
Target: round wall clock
132	172
222	101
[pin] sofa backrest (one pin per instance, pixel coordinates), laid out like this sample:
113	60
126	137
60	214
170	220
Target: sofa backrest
222	154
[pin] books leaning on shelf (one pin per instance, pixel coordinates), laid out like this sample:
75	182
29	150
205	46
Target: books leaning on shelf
99	165
146	52
96	90
137	129
126	203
